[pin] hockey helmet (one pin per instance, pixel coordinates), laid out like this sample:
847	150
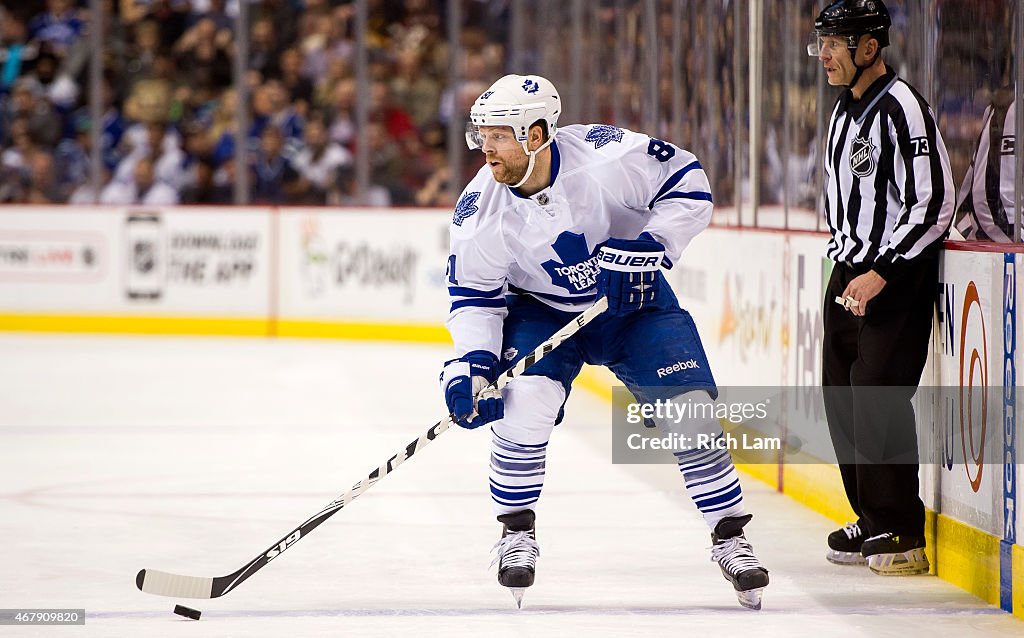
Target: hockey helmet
852	19
518	101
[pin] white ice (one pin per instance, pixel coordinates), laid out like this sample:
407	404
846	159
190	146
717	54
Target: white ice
193	455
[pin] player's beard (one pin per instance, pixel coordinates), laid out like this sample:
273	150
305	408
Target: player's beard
511	170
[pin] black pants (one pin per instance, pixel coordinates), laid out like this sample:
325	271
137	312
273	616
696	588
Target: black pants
871	367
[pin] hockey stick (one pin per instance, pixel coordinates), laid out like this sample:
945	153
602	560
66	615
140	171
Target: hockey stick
153	581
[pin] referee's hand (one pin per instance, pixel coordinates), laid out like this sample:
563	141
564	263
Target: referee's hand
863	289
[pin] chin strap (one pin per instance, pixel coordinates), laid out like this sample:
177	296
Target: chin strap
533	159
861	69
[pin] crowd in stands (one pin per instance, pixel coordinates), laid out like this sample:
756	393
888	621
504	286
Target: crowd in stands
168	130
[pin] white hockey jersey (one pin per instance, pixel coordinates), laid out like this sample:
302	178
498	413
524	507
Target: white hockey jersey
605	182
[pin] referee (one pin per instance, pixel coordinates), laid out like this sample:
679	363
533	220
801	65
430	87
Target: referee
985	209
888	205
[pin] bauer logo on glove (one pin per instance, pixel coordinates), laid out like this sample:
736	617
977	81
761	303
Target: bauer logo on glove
629	273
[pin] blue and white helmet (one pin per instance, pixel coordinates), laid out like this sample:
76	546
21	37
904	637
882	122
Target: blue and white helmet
516	101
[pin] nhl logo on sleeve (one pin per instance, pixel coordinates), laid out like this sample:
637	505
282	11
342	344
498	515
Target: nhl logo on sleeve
862	162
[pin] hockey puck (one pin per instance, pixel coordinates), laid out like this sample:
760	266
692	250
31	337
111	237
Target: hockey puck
187	612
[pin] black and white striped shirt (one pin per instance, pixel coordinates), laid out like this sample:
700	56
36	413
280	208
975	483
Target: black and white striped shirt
985	207
888	187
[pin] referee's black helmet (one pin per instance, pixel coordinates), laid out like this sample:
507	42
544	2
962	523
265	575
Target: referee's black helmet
855	18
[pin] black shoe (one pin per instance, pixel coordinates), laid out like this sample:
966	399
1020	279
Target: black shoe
892	554
844	545
517	552
735	556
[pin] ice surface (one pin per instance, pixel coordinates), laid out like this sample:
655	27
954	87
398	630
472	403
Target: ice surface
193	455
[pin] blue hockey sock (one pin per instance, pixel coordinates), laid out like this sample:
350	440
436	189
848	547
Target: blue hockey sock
517	474
712	483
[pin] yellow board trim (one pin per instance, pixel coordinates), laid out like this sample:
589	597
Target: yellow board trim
819	487
362	331
129	324
166	325
968	558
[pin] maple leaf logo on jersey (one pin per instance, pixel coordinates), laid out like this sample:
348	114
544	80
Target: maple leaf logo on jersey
603	134
577	270
466	208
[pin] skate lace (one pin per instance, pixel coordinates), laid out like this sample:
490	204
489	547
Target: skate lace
516	549
852	530
735	555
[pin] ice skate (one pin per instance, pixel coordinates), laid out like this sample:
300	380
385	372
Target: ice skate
844	545
736	557
891	554
517	552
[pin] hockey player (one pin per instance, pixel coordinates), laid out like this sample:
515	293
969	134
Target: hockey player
557	218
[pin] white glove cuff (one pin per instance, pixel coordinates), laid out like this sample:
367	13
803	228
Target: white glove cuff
629	261
457	368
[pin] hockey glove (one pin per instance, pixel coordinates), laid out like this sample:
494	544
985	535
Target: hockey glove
464	382
629	273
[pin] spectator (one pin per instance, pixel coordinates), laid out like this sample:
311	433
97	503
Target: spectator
386	164
14	48
343	114
206	186
59	28
264	49
319	164
112	125
54	85
71	157
298	87
274	177
161	145
142	54
398	123
141	188
43	187
413	88
329	40
215	11
204	51
435	191
271	108
223	128
23	146
172	18
27	101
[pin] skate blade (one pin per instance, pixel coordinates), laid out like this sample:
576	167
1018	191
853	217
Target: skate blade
845	558
517	594
751	598
910	563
